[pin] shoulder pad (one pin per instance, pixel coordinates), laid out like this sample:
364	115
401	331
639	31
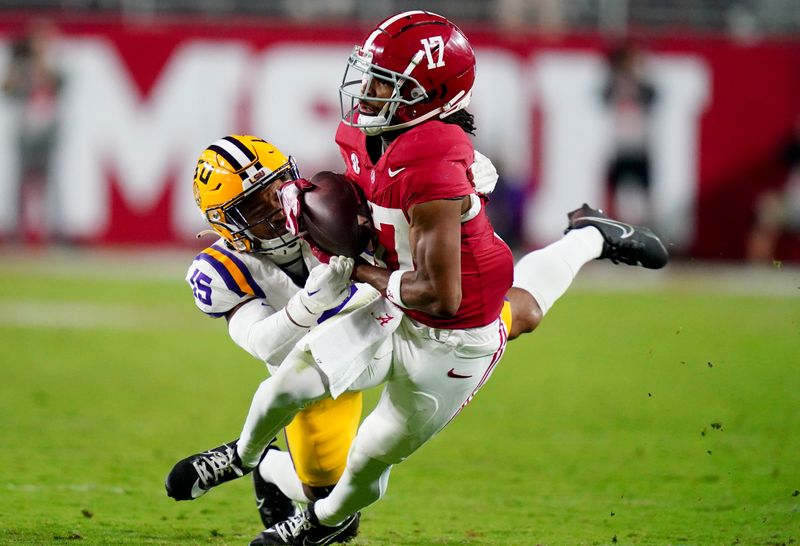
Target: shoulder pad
220	279
433	140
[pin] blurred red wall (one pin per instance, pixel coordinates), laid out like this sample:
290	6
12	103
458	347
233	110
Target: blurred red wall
754	102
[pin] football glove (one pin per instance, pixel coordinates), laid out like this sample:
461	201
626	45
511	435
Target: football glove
289	197
327	286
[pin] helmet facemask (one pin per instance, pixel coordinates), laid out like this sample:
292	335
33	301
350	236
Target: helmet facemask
356	83
253	220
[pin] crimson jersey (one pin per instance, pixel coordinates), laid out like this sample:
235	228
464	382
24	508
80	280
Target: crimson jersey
428	162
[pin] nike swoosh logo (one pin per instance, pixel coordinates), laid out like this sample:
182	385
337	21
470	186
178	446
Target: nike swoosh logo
196	489
392	173
452	373
327	539
314	292
627	230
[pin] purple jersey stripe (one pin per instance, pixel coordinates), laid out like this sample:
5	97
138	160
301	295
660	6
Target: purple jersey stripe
330	312
245	272
223	272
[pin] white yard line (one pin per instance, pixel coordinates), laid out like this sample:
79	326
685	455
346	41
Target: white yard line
77	487
86	316
115	263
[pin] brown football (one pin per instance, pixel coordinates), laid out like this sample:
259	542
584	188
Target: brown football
330	215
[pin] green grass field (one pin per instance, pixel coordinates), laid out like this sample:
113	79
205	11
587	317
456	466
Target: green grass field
670	416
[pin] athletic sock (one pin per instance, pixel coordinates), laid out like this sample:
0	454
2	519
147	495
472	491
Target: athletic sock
277	468
547	273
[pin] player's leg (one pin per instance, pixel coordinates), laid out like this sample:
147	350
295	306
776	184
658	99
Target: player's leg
296	384
277	469
436	373
318	438
283	533
276	485
543	276
523	312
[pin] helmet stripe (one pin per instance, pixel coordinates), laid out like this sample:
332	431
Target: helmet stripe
385	24
399	16
226	154
233	152
245	150
414	62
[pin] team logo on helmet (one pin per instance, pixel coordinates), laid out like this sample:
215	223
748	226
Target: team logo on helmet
196	192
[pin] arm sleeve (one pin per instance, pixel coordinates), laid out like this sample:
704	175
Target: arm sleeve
264	333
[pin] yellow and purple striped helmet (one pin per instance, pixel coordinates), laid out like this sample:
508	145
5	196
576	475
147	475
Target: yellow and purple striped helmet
229	186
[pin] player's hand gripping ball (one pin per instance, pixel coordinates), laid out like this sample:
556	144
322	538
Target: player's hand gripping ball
329	212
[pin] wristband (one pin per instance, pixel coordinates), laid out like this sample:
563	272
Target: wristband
393	288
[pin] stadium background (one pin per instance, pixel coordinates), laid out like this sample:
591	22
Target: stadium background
148	84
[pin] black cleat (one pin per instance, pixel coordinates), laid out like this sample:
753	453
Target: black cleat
196	474
305	529
623	243
273	506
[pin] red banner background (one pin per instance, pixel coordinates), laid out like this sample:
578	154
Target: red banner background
754	102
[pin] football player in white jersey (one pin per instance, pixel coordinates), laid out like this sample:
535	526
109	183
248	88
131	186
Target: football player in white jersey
271	290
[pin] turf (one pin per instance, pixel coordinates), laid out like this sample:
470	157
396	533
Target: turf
666	417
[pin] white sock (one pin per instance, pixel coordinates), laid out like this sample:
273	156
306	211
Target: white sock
547	273
353	493
277	468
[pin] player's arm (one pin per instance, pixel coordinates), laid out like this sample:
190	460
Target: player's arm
268	334
434	286
250	318
261	331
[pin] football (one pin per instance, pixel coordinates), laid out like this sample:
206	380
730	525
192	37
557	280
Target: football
333	215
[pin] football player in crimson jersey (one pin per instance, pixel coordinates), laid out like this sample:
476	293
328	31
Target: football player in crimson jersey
441	265
436	336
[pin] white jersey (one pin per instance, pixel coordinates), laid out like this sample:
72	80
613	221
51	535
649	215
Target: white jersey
222	278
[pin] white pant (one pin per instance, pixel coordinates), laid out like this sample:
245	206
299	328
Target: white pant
430	375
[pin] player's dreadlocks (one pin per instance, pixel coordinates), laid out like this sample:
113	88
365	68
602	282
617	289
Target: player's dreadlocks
463	119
